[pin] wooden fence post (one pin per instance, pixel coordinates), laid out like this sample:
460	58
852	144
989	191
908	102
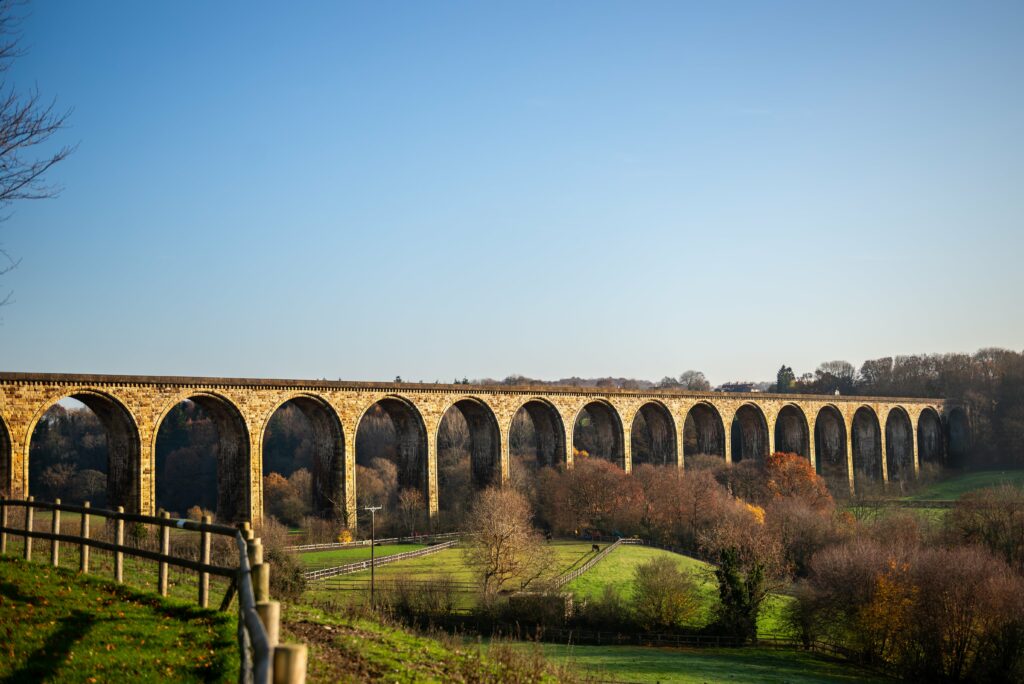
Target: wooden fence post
83	550
270	616
3	523
165	547
260	571
55	529
261	582
204	558
290	664
28	528
119	540
254	549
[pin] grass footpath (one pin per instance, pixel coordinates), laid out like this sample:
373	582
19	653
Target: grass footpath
697	666
617	570
58	626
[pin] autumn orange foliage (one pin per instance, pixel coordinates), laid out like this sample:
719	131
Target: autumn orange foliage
792	476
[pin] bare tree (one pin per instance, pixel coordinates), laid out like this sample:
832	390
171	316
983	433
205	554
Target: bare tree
504	546
411	509
27	121
694	380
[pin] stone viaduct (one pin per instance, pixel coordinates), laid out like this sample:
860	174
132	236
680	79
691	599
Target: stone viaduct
846	438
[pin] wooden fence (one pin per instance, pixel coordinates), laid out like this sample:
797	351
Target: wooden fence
263	659
562	580
314	575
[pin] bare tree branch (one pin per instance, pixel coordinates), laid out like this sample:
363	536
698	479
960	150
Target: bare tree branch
27	123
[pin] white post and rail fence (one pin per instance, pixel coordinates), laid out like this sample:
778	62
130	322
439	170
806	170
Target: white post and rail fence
263	659
324	573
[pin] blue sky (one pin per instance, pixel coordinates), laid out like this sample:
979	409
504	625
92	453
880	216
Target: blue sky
477	189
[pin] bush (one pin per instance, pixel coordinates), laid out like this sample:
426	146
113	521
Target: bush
993	517
663	595
197	513
608	611
287	581
550	609
936	614
409	599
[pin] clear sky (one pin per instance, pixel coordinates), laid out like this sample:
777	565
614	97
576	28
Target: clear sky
441	189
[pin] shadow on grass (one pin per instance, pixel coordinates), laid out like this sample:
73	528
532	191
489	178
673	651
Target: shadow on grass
12	592
44	662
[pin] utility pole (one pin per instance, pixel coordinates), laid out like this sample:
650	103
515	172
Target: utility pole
373	539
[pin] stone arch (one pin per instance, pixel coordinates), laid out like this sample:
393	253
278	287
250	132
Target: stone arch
124	444
749	434
653	435
234	460
484	439
598	431
327	494
792	434
703	431
958	437
866	436
6	459
899	445
929	438
830	445
411	442
546	432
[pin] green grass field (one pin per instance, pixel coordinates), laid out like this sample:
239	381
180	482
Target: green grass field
314	560
617	570
450	562
58	626
566	555
955	487
697	666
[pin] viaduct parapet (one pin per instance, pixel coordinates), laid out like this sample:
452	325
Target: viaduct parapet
846	438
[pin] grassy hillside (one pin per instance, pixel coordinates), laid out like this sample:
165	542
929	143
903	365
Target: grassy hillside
58	626
138	573
617	569
357	648
955	487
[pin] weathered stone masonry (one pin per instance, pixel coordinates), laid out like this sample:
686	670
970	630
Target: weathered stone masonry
132	408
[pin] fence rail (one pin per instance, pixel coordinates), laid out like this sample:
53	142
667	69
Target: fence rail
420	539
258	616
315	575
562	580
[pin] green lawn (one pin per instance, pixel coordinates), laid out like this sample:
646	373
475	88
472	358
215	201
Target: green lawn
58	626
955	487
314	560
617	568
697	666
